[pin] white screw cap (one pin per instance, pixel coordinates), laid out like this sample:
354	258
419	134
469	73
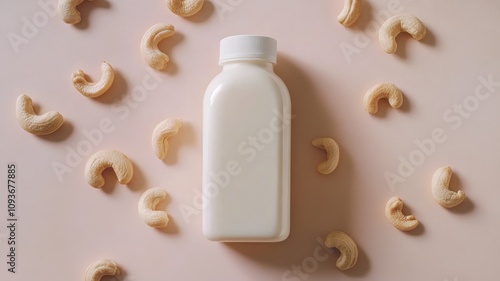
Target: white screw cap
248	47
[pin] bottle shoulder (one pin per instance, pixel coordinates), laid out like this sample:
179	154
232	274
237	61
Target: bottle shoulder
246	77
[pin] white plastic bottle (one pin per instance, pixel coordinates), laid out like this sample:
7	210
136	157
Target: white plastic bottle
246	145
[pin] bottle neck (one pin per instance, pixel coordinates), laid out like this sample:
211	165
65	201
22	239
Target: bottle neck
266	65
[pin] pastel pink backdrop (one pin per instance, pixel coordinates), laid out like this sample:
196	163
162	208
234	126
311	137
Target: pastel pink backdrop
64	224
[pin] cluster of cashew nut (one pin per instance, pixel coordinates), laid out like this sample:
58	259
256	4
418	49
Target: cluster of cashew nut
332	154
104	159
123	169
149	45
336	239
387	39
444	196
93	90
165	129
346	246
36	124
387	91
389	29
185	8
121	165
98	269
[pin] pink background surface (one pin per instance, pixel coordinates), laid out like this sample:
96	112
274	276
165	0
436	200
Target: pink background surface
64	224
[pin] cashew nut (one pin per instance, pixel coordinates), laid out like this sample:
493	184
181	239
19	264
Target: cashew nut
36	124
346	246
185	8
444	196
165	129
149	45
104	159
332	154
147	204
387	91
98	269
394	213
350	13
397	24
68	12
90	89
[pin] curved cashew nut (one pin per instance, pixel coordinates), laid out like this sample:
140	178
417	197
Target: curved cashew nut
397	24
98	269
387	91
332	154
104	159
185	8
394	213
346	246
36	124
147	204
165	129
90	89
444	196
351	12
68	12
149	45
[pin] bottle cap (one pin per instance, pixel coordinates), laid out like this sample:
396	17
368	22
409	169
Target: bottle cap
248	47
